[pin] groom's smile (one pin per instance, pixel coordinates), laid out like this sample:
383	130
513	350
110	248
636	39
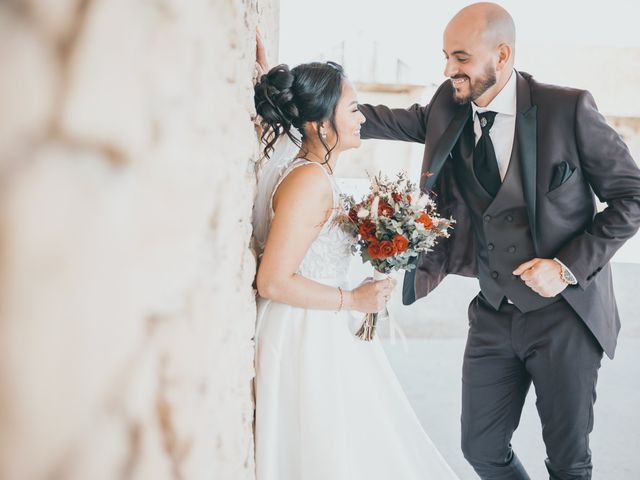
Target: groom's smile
458	81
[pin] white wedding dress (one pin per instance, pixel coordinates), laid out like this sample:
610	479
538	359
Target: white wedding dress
328	405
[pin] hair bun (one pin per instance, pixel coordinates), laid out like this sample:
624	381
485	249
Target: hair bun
274	98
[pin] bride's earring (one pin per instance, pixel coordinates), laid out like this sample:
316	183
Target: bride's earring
323	135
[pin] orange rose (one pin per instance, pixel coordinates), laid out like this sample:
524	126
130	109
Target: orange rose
386	249
367	230
374	249
425	220
400	243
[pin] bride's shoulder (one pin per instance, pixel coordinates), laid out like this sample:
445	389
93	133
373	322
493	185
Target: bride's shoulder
306	181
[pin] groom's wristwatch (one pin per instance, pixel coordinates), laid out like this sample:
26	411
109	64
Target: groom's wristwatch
565	274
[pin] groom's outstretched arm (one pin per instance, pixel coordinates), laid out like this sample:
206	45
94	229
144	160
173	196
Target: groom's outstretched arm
384	123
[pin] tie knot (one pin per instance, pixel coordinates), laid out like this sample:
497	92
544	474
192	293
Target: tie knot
486	120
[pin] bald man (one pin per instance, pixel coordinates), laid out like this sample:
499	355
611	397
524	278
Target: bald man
516	163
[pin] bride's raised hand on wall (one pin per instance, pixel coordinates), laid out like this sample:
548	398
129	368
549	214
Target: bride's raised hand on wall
262	65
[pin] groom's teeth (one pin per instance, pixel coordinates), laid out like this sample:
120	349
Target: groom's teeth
458	81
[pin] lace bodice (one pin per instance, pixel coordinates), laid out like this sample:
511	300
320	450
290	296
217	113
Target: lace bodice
327	259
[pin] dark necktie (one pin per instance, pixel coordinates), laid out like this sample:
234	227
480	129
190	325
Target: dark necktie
485	164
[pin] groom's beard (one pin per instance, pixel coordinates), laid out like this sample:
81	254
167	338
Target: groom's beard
477	88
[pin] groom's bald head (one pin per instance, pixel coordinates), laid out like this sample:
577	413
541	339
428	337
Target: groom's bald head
486	22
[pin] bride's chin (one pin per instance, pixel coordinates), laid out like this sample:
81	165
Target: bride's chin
352	145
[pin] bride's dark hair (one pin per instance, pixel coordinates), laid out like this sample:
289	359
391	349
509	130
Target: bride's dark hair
287	98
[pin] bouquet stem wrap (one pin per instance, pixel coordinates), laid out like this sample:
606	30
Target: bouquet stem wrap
368	329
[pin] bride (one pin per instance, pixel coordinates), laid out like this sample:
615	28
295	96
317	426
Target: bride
328	405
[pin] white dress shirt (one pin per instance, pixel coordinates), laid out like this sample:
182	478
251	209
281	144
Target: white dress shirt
504	126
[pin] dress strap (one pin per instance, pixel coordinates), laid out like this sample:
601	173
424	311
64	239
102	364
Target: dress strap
303	161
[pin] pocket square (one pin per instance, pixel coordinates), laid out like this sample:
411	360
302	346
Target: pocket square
561	174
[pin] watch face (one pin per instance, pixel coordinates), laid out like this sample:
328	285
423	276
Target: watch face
568	277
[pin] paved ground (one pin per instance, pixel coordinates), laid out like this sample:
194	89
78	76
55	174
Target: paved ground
430	373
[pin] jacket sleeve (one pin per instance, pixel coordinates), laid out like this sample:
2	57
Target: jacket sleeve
615	178
384	123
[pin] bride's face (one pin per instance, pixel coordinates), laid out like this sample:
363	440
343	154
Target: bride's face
348	119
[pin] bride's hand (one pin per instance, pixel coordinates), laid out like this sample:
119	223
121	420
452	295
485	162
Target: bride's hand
262	65
371	296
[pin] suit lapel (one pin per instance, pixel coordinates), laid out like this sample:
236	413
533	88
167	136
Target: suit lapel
526	131
445	145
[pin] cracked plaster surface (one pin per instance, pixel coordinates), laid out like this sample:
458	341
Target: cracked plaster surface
126	187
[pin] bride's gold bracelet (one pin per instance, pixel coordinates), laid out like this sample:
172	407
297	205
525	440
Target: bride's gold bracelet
341	299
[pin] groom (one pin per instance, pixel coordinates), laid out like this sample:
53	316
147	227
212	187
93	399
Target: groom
517	163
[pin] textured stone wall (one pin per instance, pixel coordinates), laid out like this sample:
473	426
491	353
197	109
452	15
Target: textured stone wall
126	186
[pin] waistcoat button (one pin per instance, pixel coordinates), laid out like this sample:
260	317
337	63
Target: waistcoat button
494	274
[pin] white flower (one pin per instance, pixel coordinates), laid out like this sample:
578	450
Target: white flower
374	206
363	213
422	202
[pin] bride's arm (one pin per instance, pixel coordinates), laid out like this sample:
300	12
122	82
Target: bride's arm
302	204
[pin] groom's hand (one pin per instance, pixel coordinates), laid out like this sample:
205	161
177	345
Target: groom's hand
543	276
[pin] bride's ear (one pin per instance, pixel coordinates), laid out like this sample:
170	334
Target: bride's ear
311	129
317	129
323	130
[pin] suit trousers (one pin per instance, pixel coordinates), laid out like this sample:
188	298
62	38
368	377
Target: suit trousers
506	351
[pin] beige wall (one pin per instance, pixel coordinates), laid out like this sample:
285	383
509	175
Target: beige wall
126	186
629	130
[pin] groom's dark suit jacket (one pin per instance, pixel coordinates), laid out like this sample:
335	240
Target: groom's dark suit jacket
553	125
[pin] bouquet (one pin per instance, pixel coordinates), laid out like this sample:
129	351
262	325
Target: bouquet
391	226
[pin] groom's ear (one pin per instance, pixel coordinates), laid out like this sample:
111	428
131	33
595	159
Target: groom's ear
505	53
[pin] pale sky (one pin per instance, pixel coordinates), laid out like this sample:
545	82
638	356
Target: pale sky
412	29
